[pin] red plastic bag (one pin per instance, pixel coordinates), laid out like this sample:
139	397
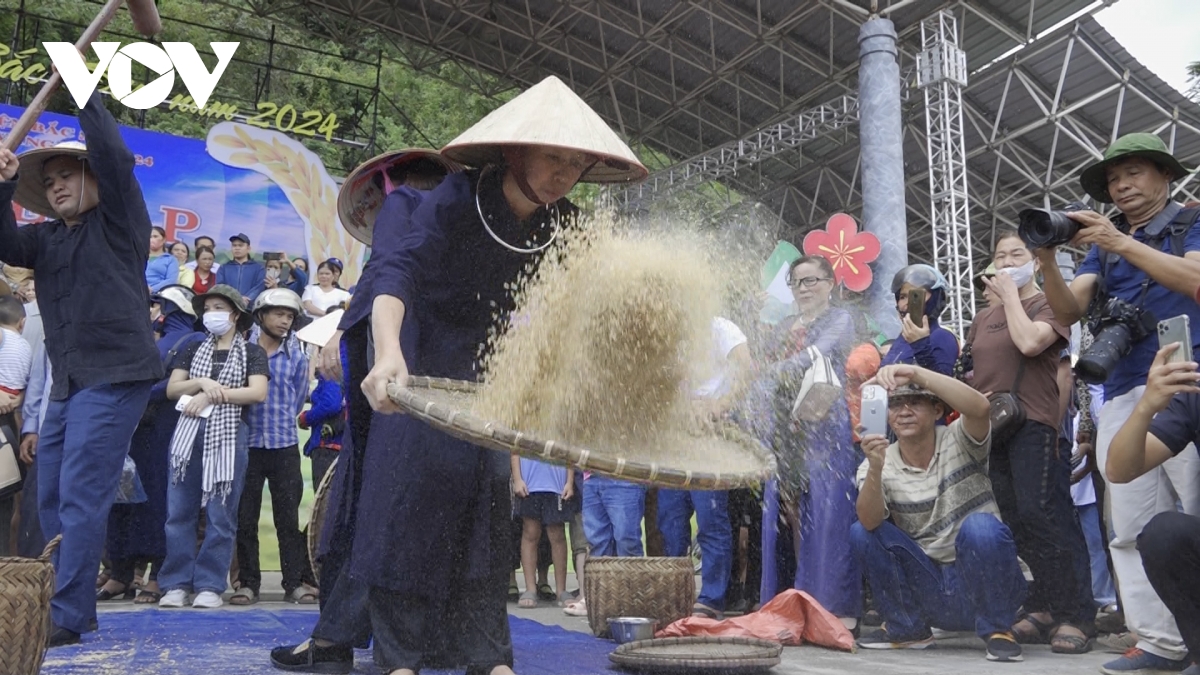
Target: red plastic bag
792	618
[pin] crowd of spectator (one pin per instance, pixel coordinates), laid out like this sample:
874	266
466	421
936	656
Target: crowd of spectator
1004	495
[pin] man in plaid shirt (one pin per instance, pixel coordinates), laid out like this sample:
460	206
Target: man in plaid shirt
275	454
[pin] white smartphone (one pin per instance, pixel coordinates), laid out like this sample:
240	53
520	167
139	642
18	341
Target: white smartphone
185	399
874	410
1176	329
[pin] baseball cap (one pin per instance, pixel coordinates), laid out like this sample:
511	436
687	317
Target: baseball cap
240	237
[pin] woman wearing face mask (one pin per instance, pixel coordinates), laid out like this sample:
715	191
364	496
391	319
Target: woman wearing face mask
1016	346
223	375
162	269
815	491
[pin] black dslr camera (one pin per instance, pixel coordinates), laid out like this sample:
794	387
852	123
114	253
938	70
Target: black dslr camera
1118	326
1040	228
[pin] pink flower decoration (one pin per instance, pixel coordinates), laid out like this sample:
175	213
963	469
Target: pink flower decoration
847	250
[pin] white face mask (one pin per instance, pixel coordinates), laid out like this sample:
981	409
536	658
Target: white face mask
218	323
1020	275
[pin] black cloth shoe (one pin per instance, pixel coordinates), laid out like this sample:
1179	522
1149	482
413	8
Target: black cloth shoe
61	637
337	660
1003	647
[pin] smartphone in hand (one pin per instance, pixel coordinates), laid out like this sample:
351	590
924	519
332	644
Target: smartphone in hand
1176	329
874	416
916	305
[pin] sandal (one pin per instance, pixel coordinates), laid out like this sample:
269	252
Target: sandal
564	599
577	608
544	592
702	610
145	597
1061	643
243	597
514	593
303	595
126	593
528	600
1038	636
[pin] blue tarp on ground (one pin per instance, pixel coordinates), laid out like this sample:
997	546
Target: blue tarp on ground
238	642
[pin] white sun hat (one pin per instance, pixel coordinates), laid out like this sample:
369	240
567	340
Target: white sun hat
548	114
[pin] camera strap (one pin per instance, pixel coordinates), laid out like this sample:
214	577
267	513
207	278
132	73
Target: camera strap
1174	221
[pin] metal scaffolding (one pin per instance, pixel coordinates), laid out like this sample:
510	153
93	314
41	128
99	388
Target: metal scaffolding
942	75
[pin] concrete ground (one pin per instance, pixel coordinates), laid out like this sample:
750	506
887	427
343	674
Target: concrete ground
958	654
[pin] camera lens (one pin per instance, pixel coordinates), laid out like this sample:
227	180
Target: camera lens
1111	343
1040	228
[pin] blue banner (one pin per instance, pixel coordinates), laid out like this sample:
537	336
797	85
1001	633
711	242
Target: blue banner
240	180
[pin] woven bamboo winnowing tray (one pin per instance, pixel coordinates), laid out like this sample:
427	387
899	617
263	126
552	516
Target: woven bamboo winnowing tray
445	405
724	655
26	586
663	589
316	518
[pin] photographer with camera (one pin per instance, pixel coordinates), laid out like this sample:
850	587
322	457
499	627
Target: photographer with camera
1030	476
1143	267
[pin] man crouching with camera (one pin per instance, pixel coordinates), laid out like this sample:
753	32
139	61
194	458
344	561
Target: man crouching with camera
1142	267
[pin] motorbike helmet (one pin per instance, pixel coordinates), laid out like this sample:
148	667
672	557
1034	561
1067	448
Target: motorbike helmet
927	277
277	297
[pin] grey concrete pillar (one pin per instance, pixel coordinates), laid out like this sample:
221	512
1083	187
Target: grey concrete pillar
881	143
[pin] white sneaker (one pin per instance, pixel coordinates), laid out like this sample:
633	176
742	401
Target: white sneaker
207	600
175	598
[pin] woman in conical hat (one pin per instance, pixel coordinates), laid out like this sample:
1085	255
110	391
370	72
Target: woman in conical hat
433	532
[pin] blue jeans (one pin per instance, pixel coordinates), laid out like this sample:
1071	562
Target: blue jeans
207	569
612	516
712	532
981	590
1103	590
81	452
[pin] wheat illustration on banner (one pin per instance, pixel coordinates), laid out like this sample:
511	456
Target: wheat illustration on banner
302	177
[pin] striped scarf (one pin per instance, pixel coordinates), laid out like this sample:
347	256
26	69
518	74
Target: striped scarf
220	434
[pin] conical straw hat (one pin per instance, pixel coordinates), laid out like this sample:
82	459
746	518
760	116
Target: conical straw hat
552	115
364	190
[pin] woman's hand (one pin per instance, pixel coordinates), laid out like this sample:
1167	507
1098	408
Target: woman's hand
388	368
890	377
212	389
329	361
568	490
196	406
911	332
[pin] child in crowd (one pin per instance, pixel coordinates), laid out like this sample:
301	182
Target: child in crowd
16	356
545	498
327	420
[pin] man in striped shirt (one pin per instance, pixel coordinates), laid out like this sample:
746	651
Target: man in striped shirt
929	535
274	458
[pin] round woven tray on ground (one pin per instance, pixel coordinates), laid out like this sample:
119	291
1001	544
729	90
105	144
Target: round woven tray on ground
698	654
26	585
446	405
316	518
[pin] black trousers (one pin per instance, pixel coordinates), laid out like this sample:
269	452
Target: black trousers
1031	478
409	630
8	506
345	618
322	459
1170	548
279	470
125	569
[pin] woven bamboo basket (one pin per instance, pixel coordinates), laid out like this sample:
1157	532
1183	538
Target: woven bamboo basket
663	589
26	585
445	405
724	655
316	517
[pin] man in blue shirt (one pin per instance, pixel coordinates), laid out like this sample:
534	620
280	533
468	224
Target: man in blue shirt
1166	425
1143	269
242	272
89	261
274	458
